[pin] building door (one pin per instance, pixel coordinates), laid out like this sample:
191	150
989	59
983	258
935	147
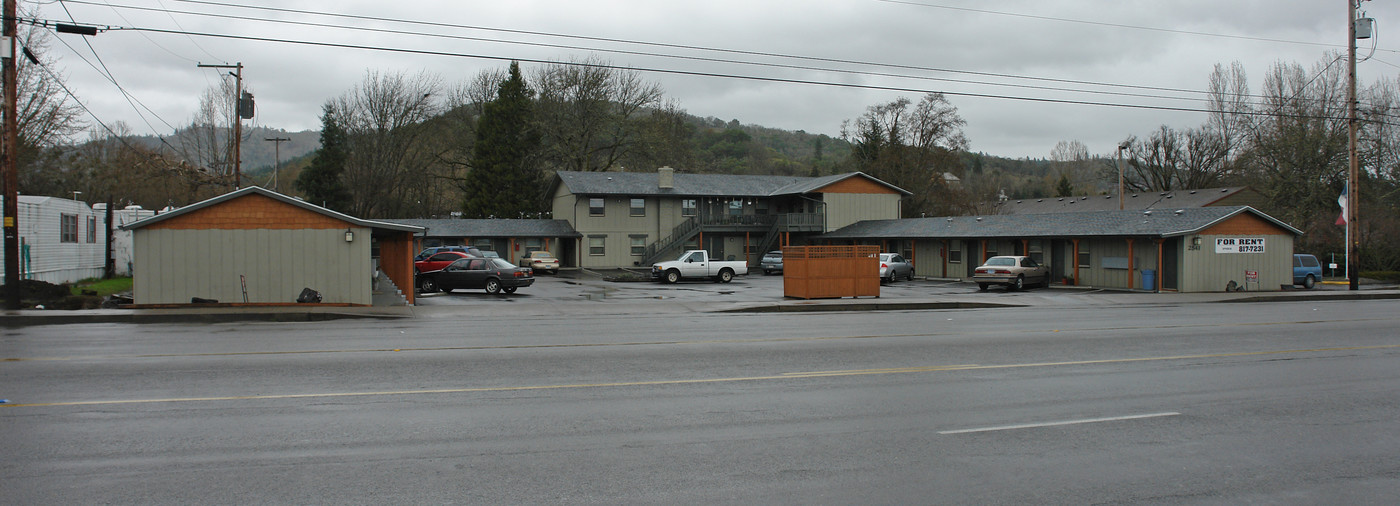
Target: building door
1057	258
973	258
1171	256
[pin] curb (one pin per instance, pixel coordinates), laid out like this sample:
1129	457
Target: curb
866	306
17	321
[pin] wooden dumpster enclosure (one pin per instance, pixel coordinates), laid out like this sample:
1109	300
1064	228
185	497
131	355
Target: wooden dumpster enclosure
829	272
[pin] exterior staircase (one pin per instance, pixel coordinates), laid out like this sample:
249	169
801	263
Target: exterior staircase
384	293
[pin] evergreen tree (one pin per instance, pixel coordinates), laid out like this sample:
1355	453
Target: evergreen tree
1064	188
320	183
505	180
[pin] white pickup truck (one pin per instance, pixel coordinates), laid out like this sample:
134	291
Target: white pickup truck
697	264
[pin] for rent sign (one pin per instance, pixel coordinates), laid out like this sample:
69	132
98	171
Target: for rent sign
1239	245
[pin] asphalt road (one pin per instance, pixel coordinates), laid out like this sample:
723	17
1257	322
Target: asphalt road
1194	403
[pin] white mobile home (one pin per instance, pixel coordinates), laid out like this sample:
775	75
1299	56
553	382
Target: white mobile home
61	240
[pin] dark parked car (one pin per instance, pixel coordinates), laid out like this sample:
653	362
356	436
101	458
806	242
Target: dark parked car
772	262
492	274
1013	271
470	250
440	260
1306	270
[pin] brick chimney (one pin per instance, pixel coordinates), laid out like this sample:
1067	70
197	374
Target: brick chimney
666	178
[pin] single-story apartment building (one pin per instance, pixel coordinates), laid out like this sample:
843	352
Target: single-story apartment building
1199	249
257	246
512	239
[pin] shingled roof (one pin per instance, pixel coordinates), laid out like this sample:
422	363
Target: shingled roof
701	185
1132	223
255	190
1175	199
492	228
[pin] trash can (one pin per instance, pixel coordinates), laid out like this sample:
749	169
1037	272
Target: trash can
1149	279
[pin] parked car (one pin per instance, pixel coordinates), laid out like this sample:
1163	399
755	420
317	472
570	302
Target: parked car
492	274
440	260
698	264
541	260
1011	271
1306	270
486	253
470	250
893	266
772	262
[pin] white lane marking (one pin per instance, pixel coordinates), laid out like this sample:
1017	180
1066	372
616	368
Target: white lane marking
1053	424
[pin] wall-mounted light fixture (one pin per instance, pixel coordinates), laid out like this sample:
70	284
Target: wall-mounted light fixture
349	235
1196	241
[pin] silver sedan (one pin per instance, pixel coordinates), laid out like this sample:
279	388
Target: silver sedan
893	266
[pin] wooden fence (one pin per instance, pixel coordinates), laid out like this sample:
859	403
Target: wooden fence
829	272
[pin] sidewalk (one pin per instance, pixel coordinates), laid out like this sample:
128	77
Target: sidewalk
1053	297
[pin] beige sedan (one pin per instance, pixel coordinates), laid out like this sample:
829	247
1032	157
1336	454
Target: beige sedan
1013	272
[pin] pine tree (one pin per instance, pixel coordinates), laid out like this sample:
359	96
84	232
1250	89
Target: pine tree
320	183
505	180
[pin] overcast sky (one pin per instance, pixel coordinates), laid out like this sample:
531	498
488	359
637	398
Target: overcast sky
791	64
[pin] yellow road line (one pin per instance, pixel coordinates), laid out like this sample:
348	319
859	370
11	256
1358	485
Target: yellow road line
781	376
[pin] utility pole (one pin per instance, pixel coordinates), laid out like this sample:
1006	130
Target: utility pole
237	118
1353	164
1121	146
7	159
277	160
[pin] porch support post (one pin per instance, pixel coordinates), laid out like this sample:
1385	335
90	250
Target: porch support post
945	258
1075	259
984	252
1130	263
1157	280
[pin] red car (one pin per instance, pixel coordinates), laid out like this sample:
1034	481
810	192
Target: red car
438	260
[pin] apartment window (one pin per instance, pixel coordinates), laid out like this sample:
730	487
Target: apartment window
595	207
991	251
639	244
736	207
1084	258
1037	254
534	244
688	207
92	229
638	208
69	228
597	245
954	253
760	207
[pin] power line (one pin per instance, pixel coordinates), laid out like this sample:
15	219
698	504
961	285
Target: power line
1117	25
425	52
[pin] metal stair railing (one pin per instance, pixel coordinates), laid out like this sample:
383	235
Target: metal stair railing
683	232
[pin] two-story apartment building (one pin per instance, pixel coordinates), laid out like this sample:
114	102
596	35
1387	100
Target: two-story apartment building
631	219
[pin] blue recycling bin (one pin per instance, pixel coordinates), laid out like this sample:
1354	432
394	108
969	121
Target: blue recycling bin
1149	279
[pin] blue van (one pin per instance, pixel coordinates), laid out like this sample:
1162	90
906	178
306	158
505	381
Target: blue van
1306	270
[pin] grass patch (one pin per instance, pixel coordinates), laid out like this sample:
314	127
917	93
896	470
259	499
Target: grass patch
103	287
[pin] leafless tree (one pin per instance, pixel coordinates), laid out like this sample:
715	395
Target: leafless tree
47	114
590	115
911	146
389	167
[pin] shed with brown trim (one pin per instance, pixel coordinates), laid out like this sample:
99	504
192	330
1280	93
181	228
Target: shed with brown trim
256	246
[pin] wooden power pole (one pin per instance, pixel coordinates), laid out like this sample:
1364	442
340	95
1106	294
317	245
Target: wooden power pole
7	160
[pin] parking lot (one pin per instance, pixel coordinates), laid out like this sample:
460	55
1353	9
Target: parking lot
574	285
